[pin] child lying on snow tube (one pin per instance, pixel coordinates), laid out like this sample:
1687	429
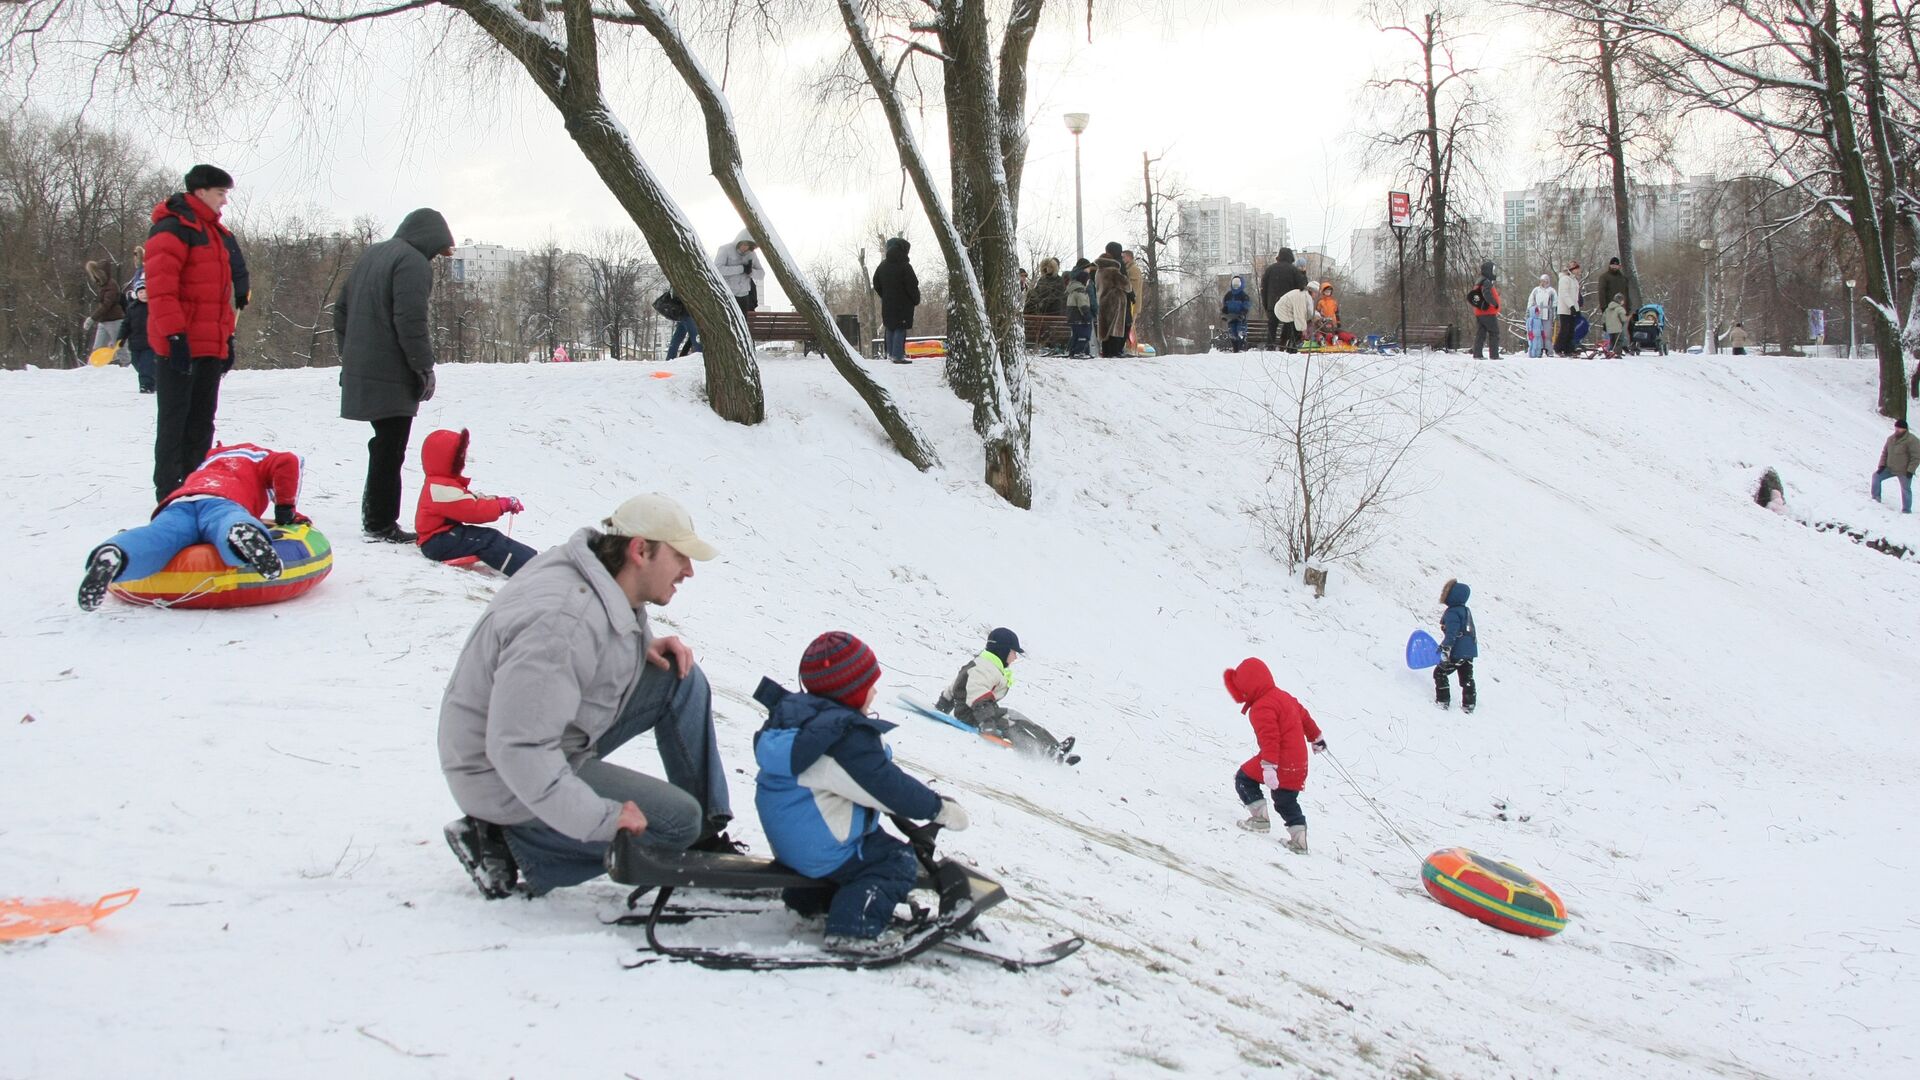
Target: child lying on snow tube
220	505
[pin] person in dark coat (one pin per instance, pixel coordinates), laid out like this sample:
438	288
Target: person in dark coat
1049	293
110	309
899	289
190	320
133	332
386	356
1486	313
1613	281
1279	278
1459	647
1110	277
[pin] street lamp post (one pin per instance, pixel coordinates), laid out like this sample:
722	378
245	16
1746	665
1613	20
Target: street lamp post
1077	123
1851	345
1706	296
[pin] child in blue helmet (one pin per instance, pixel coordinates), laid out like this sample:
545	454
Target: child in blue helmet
1459	646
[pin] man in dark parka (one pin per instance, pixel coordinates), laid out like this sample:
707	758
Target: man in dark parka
899	289
1279	278
386	356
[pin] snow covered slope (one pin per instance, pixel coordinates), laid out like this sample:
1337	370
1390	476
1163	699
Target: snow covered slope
1697	723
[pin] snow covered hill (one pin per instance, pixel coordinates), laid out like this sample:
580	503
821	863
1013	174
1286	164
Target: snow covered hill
1697	723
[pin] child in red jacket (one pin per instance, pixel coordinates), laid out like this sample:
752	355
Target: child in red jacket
451	520
1284	728
222	503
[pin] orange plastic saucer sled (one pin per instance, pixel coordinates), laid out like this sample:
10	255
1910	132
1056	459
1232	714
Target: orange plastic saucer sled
21	919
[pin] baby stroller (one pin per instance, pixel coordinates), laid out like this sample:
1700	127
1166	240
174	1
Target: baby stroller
1649	324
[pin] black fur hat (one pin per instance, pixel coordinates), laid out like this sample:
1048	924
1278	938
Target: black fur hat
207	176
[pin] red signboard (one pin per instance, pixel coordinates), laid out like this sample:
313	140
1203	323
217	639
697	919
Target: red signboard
1399	209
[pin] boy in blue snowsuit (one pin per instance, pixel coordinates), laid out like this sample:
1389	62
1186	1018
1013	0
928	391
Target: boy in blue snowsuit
1235	306
1459	646
825	779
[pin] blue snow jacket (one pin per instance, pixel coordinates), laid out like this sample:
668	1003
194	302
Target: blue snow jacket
1236	303
1458	641
825	778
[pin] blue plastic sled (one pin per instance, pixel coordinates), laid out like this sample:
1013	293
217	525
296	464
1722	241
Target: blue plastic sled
1422	650
922	709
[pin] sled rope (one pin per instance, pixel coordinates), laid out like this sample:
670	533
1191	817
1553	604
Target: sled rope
1381	814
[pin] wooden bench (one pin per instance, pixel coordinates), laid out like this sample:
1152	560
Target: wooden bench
1425	335
782	326
1049	331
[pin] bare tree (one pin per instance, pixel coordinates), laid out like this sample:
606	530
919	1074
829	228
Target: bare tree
1160	201
986	135
614	301
1339	431
1431	125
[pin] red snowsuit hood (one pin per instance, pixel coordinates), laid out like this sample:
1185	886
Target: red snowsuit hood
1280	723
445	499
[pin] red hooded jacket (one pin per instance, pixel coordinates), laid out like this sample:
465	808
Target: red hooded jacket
1279	721
444	498
250	475
189	278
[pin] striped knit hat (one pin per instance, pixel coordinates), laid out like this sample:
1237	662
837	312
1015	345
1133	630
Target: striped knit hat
839	666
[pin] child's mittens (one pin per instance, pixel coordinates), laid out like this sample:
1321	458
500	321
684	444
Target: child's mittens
1270	774
510	505
952	815
1319	746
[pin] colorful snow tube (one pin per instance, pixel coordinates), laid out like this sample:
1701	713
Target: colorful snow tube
198	578
1499	894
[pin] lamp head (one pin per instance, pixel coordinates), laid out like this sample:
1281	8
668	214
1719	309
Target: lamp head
1077	122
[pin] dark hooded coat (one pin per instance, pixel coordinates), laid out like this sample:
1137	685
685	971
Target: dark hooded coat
1280	278
380	321
898	286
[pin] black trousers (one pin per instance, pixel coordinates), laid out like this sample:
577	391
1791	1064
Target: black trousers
1563	341
1486	331
1286	802
1113	346
1273	324
386	453
1441	692
1290	337
186	398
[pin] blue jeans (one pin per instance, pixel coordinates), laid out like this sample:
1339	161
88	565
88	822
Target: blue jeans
690	803
683	331
897	344
1906	487
871	883
495	548
181	525
1284	801
143	367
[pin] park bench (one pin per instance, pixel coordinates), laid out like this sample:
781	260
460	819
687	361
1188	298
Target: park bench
792	326
1048	331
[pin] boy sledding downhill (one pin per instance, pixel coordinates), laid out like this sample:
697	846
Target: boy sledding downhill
825	779
221	503
451	520
974	699
1459	647
1284	729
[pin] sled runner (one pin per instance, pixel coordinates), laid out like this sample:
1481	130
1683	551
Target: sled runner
1019	732
963	891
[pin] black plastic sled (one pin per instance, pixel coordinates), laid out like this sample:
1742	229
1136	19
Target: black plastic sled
964	894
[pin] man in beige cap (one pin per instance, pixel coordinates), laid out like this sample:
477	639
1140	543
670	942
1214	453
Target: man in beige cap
561	670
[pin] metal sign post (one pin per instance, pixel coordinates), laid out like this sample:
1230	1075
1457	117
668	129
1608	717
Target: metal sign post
1400	219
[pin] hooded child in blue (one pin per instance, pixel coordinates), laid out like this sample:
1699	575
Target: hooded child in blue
825	779
1459	647
1235	306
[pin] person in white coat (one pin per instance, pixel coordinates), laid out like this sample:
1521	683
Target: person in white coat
1294	313
740	267
1542	307
1567	301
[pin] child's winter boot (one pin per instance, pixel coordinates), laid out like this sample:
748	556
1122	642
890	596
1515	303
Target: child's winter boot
102	567
251	543
1256	819
1297	839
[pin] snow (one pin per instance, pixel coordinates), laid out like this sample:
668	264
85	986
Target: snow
1697	714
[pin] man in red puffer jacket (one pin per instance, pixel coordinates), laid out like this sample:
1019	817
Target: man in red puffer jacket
1284	728
190	271
451	520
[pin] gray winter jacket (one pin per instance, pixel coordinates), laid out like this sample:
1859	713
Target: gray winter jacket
740	272
380	321
543	675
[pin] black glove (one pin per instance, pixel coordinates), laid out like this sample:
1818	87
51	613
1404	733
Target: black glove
1320	745
426	386
177	350
284	514
232	355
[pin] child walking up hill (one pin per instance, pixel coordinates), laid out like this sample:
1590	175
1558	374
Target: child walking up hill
1284	728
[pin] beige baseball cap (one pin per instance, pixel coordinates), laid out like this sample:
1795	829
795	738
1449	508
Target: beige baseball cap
656	517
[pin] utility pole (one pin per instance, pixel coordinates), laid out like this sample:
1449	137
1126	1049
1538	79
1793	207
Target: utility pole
1077	123
1151	278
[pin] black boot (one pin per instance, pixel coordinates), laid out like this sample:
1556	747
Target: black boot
102	567
251	543
482	848
391	534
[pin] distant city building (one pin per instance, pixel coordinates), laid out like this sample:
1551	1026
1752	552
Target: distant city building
482	265
1221	237
1370	258
1320	265
1549	224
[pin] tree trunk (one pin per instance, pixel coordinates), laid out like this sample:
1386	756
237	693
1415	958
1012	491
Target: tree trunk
1436	179
570	78
1617	160
725	160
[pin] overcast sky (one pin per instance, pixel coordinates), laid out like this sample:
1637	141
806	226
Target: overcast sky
1254	100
